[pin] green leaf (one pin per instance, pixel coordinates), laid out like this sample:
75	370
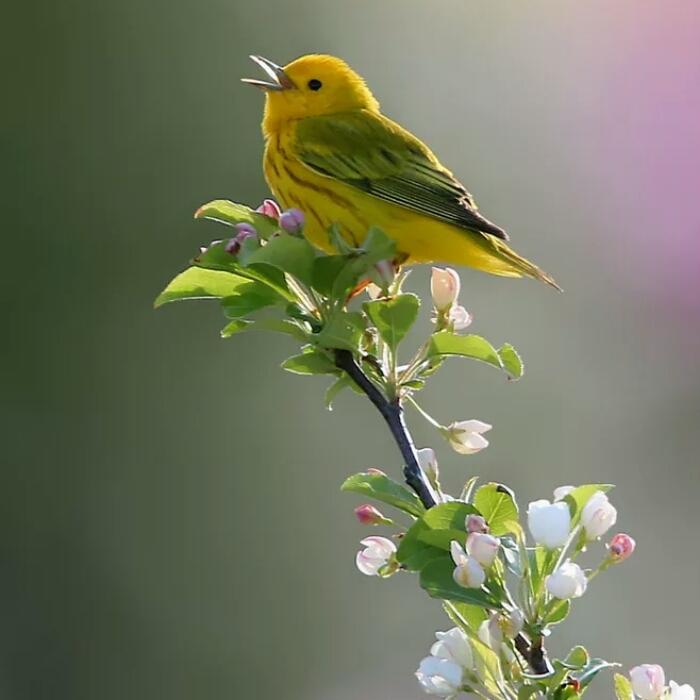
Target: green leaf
592	669
230	213
250	297
430	537
497	505
266	324
559	613
235	326
325	271
286	253
576	659
448	516
196	283
442	538
511	361
578	498
393	317
527	691
375	248
215	257
436	579
386	490
310	363
623	688
470	615
445	344
343	330
414	553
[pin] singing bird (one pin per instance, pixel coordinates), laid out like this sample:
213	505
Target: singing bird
330	152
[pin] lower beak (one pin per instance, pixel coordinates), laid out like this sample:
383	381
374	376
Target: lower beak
279	80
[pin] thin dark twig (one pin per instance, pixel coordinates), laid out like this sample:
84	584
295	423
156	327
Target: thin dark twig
392	413
534	654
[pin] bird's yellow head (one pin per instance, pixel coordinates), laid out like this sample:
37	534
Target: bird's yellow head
310	86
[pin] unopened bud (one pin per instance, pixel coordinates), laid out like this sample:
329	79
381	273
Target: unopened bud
476	523
444	287
621	547
244	230
369	515
292	220
459	317
376	472
270	208
484	548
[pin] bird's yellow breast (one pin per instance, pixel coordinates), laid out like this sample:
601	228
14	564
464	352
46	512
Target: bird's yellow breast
327	201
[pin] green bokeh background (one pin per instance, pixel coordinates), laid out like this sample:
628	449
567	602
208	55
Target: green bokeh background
170	520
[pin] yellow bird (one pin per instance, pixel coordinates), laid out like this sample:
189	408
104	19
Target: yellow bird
330	152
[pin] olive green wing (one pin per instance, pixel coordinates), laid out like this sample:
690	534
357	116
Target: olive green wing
375	155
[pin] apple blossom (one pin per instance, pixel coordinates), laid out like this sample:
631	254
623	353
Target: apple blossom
568	581
468	572
453	645
369	515
549	523
484	548
561	492
648	681
476	523
598	516
440	676
377	554
501	627
680	692
444	287
270	208
459	317
621	547
428	463
466	437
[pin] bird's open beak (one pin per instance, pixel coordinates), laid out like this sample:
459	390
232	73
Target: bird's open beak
279	80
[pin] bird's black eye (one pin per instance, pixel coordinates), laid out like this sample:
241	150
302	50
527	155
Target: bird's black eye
315	84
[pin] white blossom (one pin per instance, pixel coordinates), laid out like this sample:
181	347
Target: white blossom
549	523
468	572
483	547
562	491
453	645
568	581
680	692
459	317
598	515
377	554
648	681
440	676
466	437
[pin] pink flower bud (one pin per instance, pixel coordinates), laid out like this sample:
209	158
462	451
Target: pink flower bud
476	523
484	548
648	681
375	472
270	208
385	273
369	515
292	220
621	547
444	287
244	230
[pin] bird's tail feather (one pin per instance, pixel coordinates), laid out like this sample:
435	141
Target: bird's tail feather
516	265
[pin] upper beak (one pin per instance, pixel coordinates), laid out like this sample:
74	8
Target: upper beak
279	80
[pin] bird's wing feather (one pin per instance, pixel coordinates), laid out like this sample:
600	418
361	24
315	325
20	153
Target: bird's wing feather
375	155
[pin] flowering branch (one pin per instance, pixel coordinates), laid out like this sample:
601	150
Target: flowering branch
504	585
